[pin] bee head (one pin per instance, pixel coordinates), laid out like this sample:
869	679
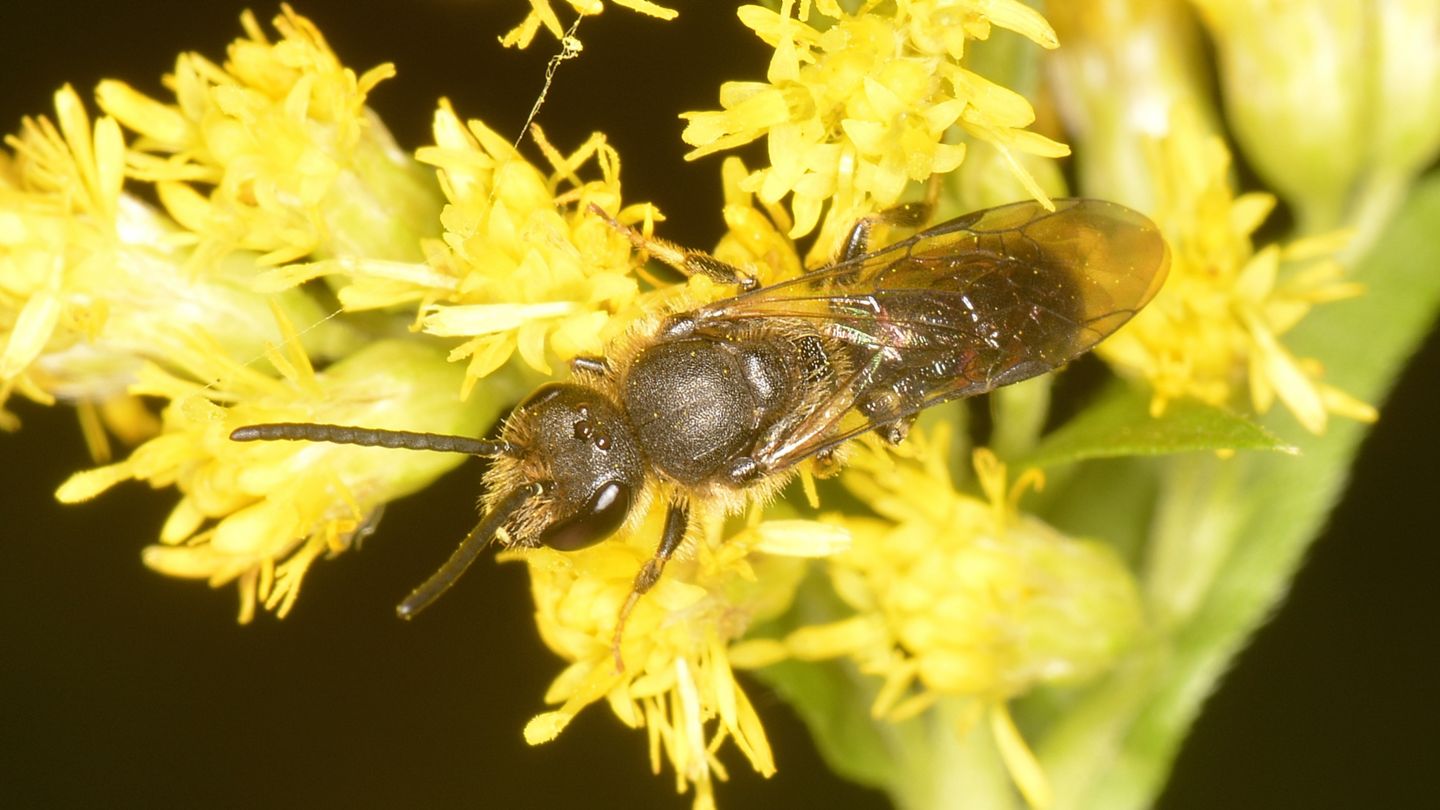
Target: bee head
581	450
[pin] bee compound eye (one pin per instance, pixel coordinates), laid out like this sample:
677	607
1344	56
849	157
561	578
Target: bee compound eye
601	516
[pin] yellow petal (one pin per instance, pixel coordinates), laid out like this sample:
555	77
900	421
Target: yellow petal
647	7
530	341
84	485
257	531
1291	384
468	320
141	113
801	538
1023	20
32	330
821	641
1019	759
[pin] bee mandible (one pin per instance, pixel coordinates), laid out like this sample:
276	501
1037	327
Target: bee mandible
719	403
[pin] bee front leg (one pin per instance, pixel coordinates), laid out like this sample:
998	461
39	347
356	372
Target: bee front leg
688	262
587	364
677	521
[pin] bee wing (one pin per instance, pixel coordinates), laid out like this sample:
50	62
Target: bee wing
985	300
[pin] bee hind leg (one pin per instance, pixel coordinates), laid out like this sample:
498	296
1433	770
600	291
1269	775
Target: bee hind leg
677	520
906	215
826	465
883	407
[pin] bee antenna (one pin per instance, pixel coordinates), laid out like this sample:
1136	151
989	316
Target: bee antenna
475	542
371	437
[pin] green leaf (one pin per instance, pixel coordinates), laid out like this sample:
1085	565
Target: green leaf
1229	535
831	697
1120	424
834	703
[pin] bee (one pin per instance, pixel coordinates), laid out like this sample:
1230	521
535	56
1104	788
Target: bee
719	404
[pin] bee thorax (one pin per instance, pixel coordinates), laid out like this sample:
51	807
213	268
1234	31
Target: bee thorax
698	404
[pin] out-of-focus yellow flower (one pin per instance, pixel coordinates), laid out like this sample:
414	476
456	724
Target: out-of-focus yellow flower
542	13
1215	329
93	281
1296	75
1123	70
678	682
1332	101
855	111
275	152
260	514
966	600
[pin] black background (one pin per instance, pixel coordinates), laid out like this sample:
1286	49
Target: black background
122	688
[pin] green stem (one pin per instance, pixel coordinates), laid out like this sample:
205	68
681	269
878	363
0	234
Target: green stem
1192	534
1372	208
1019	416
945	770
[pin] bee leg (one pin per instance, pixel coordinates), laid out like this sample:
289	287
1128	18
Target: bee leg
907	215
826	464
598	366
883	406
688	262
895	432
677	520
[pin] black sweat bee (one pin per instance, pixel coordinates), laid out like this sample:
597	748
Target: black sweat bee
718	404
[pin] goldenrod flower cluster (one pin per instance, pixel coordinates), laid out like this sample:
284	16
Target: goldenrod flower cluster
524	264
259	515
855	106
301	267
95	282
1340	119
275	152
677	679
966	599
1214	332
